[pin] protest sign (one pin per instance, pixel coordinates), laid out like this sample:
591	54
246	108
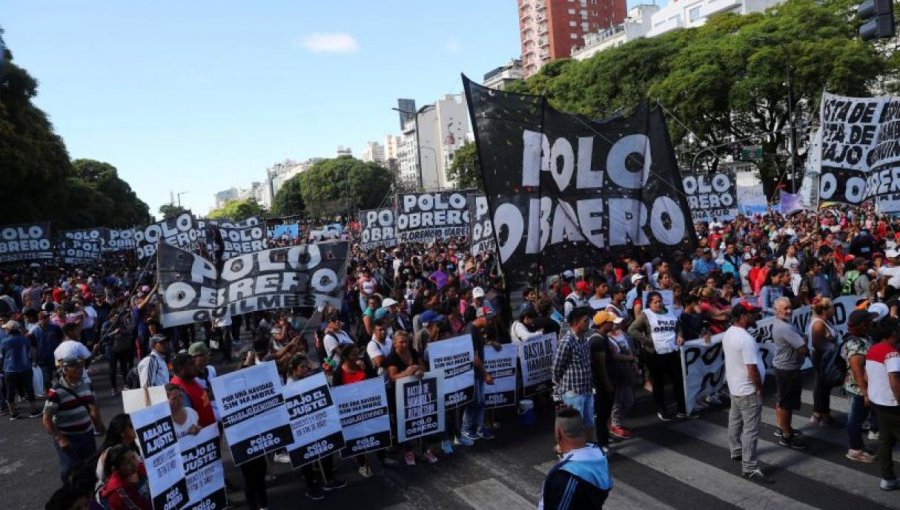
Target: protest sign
314	420
502	367
133	400
456	358
363	408
536	363
238	240
25	241
162	456
291	231
565	191
75	251
120	239
424	217
420	406
377	229
192	290
179	231
711	197
252	410
481	228
751	197
204	474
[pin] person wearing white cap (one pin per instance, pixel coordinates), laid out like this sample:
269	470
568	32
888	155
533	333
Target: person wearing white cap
153	370
892	271
638	284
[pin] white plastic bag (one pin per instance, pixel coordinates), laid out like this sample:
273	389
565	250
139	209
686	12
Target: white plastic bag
37	380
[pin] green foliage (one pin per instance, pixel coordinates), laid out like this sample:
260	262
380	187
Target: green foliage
124	208
289	199
237	210
466	170
344	184
170	211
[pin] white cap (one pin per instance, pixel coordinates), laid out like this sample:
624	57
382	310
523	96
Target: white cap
568	274
636	278
388	302
891	254
477	292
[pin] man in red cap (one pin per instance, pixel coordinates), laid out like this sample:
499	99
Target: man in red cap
577	298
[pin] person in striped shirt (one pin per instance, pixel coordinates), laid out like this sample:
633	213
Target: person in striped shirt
71	416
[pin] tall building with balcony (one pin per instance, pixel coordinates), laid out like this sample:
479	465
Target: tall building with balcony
373	152
693	13
501	77
635	26
549	29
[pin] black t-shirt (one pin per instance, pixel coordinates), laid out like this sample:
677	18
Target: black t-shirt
600	344
692	325
394	360
546	324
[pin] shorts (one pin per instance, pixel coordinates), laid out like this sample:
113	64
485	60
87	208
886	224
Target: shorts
19	383
789	386
584	404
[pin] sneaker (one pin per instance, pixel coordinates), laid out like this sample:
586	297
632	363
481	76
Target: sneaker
14	416
792	442
389	462
282	458
486	434
664	416
685	416
889	485
315	493
757	476
619	432
815	420
447	447
430	457
36	413
463	440
410	458
334	484
470	436
873	435
860	456
365	471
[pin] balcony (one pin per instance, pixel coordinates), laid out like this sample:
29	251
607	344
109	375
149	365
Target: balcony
713	6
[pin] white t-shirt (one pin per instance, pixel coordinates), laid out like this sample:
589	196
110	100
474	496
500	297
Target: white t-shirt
90	317
204	383
375	349
663	331
740	349
191	419
599	303
332	341
881	361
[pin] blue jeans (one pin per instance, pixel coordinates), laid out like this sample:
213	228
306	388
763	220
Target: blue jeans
473	415
857	414
584	404
81	447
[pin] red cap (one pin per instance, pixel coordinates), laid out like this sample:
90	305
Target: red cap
583	286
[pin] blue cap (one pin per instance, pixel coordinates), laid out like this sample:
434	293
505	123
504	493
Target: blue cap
381	313
430	316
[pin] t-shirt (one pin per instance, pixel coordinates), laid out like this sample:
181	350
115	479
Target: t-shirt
67	405
787	340
854	346
600	345
199	400
740	349
191	418
394	360
332	340
15	354
882	359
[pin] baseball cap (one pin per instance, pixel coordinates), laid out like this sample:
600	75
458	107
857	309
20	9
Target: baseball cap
742	308
484	311
568	274
198	349
71	361
850	258
880	310
389	302
155	339
430	316
583	286
477	292
891	253
12	325
859	317
381	313
603	316
553	279
636	278
616	288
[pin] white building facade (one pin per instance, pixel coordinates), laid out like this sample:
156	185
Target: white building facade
636	25
373	152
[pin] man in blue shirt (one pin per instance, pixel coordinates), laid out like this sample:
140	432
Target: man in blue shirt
17	369
705	263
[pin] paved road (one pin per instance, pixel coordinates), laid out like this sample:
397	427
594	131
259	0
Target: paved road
674	465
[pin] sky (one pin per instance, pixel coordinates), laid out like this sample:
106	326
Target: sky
196	97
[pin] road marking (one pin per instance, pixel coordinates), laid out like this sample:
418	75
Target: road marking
490	494
729	487
622	495
841	404
836	475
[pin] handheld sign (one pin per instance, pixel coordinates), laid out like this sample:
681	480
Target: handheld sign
363	409
536	360
203	470
502	367
420	406
456	357
162	456
314	420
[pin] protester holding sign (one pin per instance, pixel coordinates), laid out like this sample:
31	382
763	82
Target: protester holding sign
402	362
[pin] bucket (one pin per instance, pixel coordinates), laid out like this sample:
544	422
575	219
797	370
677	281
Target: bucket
526	412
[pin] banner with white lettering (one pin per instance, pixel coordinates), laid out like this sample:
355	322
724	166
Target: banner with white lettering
25	241
424	217
192	290
253	413
456	357
363	408
180	231
74	251
751	197
99	235
536	363
248	236
314	420
420	406
502	367
203	470
481	229
162	456
565	190
120	239
712	197
377	229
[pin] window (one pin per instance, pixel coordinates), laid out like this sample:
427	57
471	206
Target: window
573	36
572	23
571	11
694	13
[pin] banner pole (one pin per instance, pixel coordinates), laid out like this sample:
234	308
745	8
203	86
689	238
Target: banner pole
322	470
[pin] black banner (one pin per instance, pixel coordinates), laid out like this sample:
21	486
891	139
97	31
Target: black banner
420	410
254	446
25	241
424	217
481	229
76	251
365	444
194	291
238	239
179	231
377	228
711	197
120	239
173	498
565	190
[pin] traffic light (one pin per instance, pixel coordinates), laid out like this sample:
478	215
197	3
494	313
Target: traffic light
878	16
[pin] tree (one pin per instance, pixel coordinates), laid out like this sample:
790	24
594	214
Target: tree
342	184
289	199
171	211
237	210
126	208
466	170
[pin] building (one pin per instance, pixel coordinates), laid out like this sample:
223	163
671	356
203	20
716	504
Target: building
373	152
407	156
636	25
693	13
224	196
501	77
549	29
406	108
443	127
344	151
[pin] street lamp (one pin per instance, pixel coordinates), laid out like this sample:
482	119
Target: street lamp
790	105
419	147
179	197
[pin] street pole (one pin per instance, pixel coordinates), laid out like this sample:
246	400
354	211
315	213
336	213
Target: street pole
793	151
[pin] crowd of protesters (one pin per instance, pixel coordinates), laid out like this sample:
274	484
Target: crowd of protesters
621	324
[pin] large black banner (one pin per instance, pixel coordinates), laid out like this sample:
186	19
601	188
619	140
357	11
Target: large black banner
424	217
378	227
84	246
179	231
194	291
26	241
564	190
711	197
120	239
481	229
242	237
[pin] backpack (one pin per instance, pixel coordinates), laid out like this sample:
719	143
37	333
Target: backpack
852	276
833	367
132	379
